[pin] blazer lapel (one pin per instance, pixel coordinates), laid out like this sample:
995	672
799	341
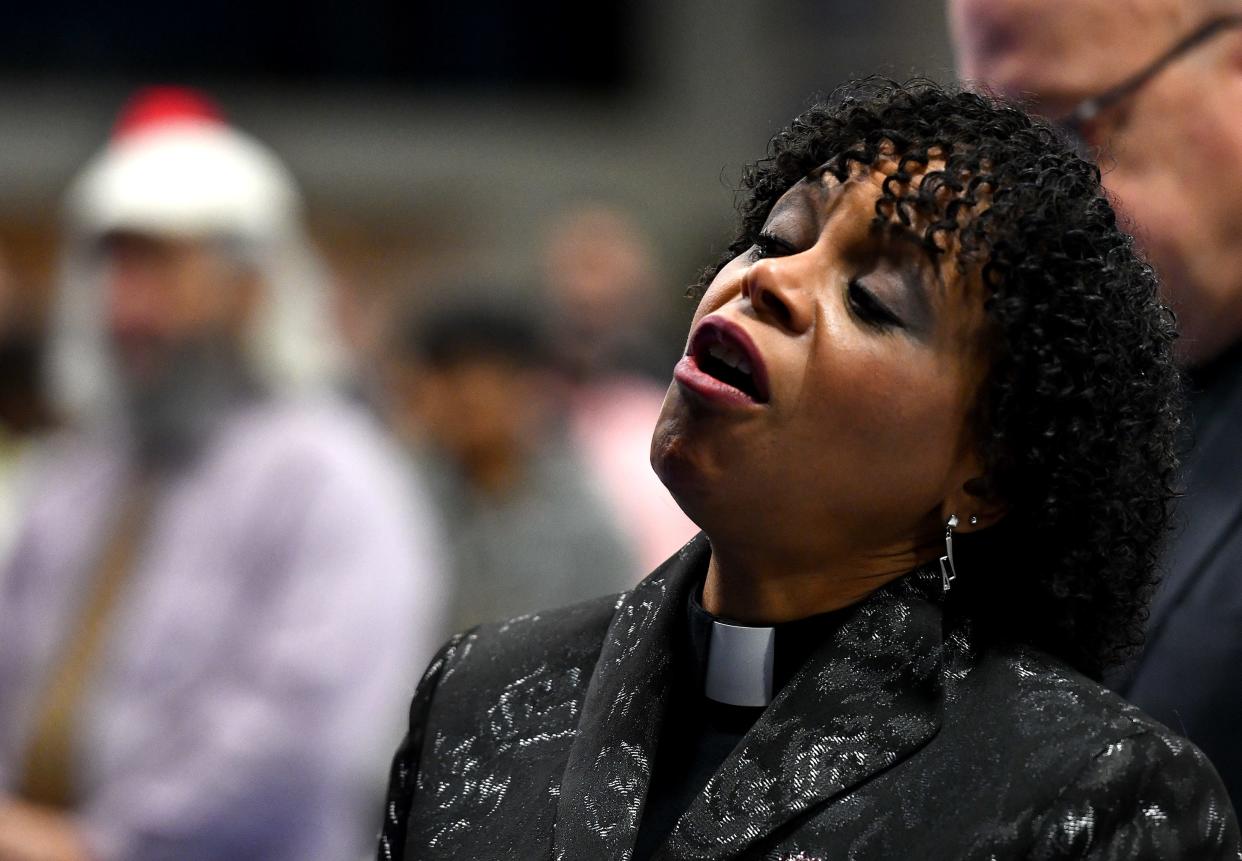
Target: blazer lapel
609	764
1210	509
868	698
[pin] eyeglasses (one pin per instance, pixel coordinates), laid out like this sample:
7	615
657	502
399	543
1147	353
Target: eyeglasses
1088	109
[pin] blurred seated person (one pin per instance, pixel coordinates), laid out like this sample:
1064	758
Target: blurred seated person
221	576
526	526
613	336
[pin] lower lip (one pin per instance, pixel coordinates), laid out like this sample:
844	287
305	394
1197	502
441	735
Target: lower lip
707	388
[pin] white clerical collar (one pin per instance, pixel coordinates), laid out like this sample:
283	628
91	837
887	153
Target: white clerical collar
739	664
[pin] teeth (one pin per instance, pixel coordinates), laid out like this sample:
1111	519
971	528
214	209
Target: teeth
730	357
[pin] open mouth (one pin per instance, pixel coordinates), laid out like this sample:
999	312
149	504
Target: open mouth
724	352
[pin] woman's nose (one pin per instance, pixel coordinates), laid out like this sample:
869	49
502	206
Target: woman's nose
775	292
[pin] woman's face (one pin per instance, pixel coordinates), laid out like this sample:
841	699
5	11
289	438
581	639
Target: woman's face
843	425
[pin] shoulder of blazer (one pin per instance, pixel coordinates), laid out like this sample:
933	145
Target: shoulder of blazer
1014	679
495	654
1022	703
529	674
1103	778
403	773
1151	794
1100	778
567	639
486	666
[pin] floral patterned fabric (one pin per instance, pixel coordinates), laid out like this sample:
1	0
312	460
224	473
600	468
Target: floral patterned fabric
901	737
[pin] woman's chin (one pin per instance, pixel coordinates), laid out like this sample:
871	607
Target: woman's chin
672	459
697	480
679	463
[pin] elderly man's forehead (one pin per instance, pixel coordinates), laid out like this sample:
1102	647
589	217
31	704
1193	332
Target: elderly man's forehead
1063	49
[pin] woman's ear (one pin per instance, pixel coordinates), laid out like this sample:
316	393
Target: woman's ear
976	505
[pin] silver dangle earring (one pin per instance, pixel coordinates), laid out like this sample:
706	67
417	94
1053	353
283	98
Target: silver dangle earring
948	573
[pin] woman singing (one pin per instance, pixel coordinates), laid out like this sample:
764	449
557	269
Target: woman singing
926	419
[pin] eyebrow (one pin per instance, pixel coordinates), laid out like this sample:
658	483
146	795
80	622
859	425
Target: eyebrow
914	240
912	280
791	207
788	202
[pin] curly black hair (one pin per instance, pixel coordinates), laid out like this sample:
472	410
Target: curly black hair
1078	419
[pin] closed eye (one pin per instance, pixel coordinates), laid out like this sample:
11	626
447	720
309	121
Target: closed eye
767	245
871	310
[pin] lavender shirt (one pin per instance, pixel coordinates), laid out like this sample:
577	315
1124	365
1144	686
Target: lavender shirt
259	662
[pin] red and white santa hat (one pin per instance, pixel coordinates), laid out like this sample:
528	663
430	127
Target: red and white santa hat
174	167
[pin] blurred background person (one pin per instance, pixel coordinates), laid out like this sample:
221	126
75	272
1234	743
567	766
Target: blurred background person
1152	88
223	576
476	389
26	416
605	285
617	343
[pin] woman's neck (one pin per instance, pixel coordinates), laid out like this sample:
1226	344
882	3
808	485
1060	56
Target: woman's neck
766	593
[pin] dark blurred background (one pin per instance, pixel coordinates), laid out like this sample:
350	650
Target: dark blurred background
434	141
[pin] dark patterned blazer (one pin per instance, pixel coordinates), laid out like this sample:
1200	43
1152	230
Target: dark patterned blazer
898	739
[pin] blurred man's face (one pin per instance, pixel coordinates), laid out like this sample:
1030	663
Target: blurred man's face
1171	152
479	408
599	273
167	298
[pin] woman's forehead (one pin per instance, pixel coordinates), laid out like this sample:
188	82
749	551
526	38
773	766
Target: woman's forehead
821	193
887	163
821	198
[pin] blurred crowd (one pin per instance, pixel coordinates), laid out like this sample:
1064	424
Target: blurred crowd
231	535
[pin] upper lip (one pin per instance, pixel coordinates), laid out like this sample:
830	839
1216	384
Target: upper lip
719	330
